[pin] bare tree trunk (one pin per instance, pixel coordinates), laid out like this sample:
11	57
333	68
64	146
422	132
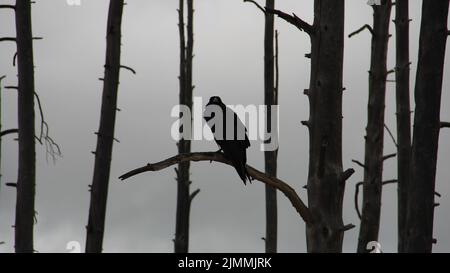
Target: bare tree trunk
27	155
373	162
105	135
270	98
1	79
325	178
184	197
430	68
402	72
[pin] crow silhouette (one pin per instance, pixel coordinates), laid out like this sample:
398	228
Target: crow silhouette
233	144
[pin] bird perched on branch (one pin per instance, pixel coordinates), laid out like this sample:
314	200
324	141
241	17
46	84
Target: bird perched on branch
229	133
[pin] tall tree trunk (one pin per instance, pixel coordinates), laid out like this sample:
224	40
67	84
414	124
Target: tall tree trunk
430	68
1	79
326	182
184	198
326	178
402	72
373	162
270	98
27	155
105	135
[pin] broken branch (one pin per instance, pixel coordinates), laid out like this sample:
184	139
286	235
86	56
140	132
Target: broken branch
366	26
256	4
128	68
193	194
392	181
445	125
10	131
347	227
386	157
7	39
7	7
293	19
347	174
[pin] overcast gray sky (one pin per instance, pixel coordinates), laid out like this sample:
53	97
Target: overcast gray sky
226	216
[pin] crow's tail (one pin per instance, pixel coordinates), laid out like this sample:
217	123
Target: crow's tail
242	171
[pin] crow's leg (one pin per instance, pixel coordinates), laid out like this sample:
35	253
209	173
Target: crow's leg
218	151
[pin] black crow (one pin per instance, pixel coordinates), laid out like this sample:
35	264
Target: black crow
233	145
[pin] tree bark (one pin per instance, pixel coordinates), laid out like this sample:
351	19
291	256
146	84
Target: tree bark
25	212
105	135
430	68
325	184
1	79
373	162
270	157
326	178
402	78
181	242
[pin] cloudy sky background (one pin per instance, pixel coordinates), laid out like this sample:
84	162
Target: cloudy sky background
226	216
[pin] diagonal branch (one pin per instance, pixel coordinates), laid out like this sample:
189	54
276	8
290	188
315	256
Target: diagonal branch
293	19
256	4
219	157
193	194
386	157
391	135
346	175
390	72
366	26
347	227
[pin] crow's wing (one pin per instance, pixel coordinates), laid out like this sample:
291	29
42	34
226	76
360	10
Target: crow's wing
240	131
230	120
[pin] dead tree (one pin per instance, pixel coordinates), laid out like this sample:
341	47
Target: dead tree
184	196
326	178
373	159
270	157
428	88
26	180
270	98
105	135
25	186
1	79
402	78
